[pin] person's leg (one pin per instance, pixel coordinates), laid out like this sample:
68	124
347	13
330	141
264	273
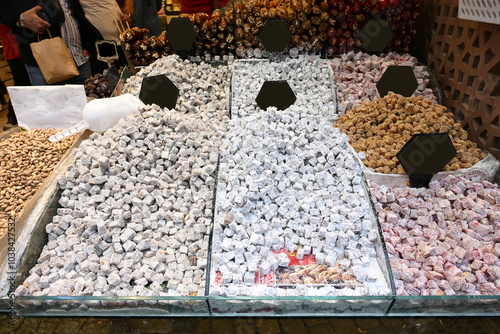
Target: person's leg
19	73
85	73
151	19
36	76
21	78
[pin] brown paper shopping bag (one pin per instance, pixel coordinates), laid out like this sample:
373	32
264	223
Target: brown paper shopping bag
53	58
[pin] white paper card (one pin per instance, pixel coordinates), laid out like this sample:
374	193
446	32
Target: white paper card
41	107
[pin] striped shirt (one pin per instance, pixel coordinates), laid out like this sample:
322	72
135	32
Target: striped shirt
71	35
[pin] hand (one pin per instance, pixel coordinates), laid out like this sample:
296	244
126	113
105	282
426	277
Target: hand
33	22
126	18
85	53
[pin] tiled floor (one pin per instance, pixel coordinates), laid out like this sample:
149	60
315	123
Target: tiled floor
252	325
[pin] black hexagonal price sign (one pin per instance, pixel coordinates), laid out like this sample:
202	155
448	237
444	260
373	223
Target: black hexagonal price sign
375	35
275	94
424	155
398	79
275	35
159	90
181	34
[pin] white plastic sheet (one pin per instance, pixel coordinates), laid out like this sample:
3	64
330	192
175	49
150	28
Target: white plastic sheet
41	107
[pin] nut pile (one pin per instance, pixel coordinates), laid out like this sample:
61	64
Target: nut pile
306	75
307	19
379	129
347	18
287	182
98	86
202	87
26	159
143	50
357	75
444	240
215	33
318	274
136	211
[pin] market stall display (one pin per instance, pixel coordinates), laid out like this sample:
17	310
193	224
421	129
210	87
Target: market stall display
443	240
215	206
307	76
379	129
357	74
292	213
27	158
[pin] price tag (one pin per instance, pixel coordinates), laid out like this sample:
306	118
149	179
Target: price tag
398	79
424	155
181	34
275	35
376	35
159	90
275	94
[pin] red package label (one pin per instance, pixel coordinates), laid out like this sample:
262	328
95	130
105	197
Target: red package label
265	279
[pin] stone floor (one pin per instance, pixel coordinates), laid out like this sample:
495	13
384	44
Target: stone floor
252	325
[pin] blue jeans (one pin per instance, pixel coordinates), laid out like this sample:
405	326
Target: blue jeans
37	78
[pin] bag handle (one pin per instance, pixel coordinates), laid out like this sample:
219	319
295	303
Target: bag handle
48	31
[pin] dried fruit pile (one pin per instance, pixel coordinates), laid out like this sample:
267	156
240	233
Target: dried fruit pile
97	86
143	50
347	18
308	21
380	129
215	34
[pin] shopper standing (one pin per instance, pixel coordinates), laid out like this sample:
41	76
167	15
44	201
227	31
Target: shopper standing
29	22
12	55
146	16
104	15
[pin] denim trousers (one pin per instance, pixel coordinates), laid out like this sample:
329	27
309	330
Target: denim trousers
37	78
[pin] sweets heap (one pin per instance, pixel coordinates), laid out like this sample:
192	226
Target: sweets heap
136	211
444	240
287	182
380	129
357	75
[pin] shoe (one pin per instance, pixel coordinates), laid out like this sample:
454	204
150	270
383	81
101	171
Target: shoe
8	126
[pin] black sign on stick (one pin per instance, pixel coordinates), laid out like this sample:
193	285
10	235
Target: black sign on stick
275	94
275	35
181	34
424	155
398	79
159	90
375	35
